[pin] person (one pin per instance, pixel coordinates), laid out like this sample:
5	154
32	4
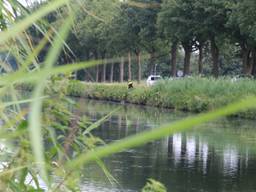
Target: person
130	84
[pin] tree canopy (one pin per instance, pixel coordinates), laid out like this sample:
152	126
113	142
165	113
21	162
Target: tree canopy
214	37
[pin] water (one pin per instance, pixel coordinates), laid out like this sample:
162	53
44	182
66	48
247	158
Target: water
217	156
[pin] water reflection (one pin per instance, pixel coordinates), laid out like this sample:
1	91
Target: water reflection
203	155
191	150
219	156
230	160
176	147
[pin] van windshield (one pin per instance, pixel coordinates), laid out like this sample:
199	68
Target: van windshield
155	78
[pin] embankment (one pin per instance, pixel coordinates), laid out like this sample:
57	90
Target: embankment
187	94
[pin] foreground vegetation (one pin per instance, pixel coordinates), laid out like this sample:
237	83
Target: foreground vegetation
188	94
44	139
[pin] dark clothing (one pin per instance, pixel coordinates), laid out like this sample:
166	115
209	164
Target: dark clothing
130	85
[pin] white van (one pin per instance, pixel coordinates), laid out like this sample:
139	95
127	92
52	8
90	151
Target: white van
152	79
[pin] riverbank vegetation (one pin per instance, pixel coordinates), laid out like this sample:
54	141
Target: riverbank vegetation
192	94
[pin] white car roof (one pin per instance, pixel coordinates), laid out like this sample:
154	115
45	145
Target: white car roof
154	76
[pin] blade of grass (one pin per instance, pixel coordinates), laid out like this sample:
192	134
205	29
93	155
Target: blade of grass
36	51
14	96
113	181
23	77
21	101
35	125
11	171
99	122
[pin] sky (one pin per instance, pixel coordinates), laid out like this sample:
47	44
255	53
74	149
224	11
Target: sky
23	2
26	2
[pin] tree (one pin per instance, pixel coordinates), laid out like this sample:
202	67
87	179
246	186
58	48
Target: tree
126	38
177	24
242	27
215	15
148	29
94	30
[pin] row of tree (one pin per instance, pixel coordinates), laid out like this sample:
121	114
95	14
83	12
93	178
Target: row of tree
194	23
211	32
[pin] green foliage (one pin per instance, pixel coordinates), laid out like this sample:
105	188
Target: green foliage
93	25
242	17
45	133
106	29
154	186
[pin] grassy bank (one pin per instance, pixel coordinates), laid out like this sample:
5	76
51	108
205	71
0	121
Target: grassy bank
188	94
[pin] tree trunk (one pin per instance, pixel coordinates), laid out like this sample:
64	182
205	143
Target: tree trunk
97	73
138	58
173	59
103	79
151	63
87	53
215	58
122	70
187	49
129	66
111	73
86	71
254	62
200	60
97	66
247	65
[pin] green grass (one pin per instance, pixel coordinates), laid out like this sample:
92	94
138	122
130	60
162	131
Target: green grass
189	94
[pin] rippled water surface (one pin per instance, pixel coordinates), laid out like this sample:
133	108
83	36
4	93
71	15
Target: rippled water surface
217	156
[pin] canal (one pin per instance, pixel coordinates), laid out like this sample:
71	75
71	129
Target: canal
217	156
